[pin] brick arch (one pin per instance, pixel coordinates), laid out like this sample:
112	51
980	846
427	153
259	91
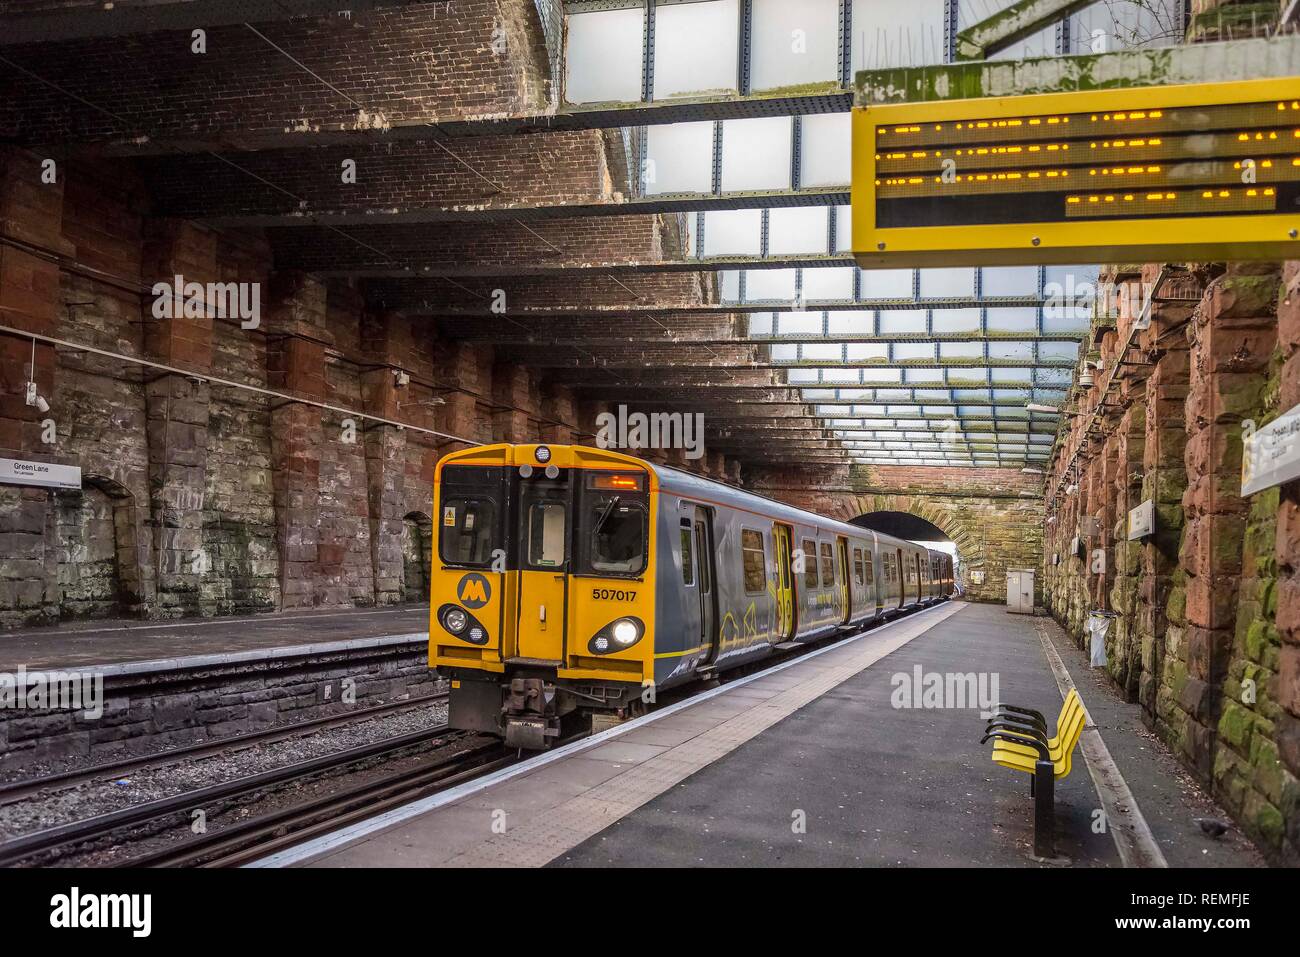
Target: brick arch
849	507
993	530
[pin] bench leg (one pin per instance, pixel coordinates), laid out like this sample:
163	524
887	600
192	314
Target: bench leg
1044	791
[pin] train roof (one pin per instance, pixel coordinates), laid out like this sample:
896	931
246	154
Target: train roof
679	482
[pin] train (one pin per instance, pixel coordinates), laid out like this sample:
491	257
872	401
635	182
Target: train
570	584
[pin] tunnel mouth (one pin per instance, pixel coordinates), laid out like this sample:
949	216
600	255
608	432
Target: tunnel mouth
911	528
904	525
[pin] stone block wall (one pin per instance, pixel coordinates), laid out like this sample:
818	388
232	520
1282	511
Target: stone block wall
201	498
1203	610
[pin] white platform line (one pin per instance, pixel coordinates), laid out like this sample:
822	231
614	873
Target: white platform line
337	839
269	619
1133	838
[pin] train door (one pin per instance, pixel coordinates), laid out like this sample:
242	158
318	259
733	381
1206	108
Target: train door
781	535
842	552
543	569
916	562
705	555
900	570
873	589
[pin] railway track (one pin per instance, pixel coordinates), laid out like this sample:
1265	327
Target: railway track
21	790
240	843
52	843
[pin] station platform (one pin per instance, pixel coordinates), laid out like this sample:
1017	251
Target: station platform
813	763
130	646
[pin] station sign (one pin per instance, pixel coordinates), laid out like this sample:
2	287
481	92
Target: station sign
1147	174
45	474
1142	520
1271	455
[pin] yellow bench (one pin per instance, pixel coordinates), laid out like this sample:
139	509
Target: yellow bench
1021	741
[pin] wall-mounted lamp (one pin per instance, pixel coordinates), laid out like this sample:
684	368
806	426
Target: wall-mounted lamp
33	397
36	399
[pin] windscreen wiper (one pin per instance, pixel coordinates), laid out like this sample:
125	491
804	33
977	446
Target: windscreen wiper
609	509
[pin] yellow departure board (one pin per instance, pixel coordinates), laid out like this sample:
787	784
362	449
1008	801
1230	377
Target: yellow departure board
1148	174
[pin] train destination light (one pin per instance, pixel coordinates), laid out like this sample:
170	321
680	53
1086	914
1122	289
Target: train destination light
1202	171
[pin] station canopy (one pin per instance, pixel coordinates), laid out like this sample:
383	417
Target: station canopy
935	366
738	124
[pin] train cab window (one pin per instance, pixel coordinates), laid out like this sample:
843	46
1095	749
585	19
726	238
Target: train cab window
688	557
871	572
617	536
755	560
828	565
467	530
612	524
859	576
809	550
546	534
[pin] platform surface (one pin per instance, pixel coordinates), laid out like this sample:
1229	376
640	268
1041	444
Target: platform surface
91	643
812	764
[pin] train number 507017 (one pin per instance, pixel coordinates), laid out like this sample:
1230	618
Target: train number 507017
611	594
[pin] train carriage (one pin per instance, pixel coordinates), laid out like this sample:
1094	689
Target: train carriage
571	583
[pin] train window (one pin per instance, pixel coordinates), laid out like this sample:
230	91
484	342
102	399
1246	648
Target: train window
871	572
858	574
617	536
809	551
688	558
755	559
828	565
467	530
546	535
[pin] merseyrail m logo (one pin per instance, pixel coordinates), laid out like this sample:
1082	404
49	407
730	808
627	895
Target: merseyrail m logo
474	590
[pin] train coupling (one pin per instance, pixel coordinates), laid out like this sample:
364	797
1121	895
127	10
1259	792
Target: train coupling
529	714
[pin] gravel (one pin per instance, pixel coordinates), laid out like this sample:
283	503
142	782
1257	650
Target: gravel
61	806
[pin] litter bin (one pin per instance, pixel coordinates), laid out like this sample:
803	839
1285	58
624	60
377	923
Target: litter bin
1098	629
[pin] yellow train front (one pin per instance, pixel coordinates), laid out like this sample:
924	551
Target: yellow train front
571	584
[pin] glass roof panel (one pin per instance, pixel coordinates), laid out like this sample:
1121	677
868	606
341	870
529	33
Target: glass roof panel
794	43
695	48
603	56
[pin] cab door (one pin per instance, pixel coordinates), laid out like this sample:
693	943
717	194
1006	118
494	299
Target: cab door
544	556
781	534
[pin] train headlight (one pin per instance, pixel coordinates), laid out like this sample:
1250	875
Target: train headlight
625	632
454	620
619	634
461	623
